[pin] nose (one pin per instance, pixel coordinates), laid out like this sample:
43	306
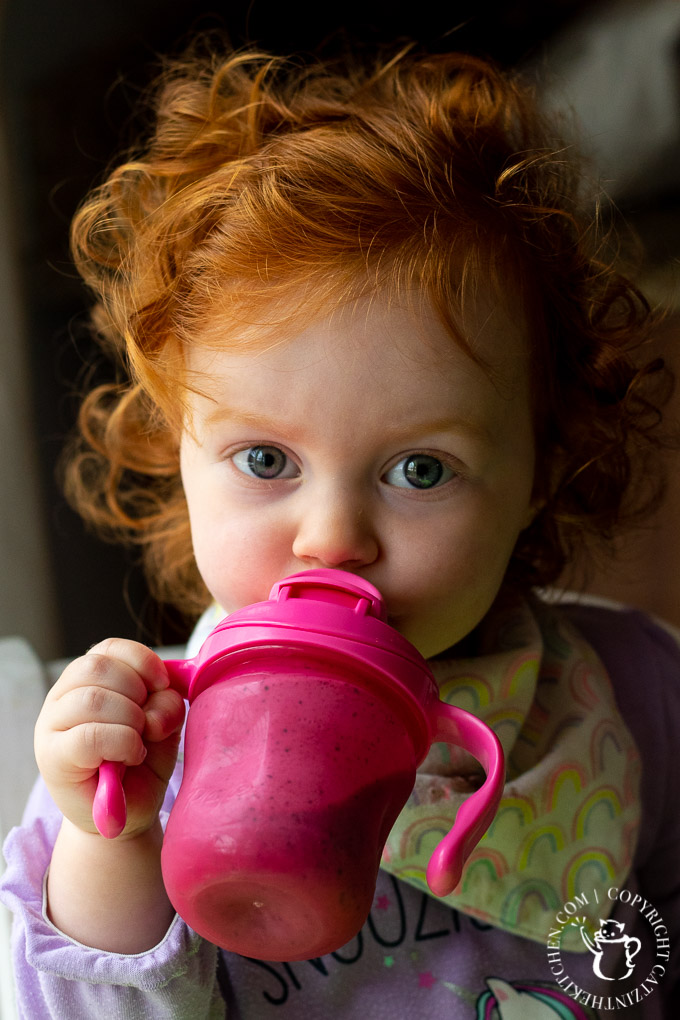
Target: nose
335	531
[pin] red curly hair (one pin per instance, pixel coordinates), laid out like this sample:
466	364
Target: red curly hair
264	179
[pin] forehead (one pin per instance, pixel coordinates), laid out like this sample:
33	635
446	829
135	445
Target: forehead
488	329
372	360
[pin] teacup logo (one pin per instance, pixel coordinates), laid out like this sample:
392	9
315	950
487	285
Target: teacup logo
606	945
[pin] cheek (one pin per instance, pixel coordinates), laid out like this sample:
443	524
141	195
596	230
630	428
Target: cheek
454	587
468	560
224	554
239	555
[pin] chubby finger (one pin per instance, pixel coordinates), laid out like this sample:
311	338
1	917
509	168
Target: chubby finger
164	715
133	671
96	671
83	748
141	659
96	704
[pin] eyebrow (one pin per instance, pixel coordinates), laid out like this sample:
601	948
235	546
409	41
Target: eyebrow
438	425
249	418
410	431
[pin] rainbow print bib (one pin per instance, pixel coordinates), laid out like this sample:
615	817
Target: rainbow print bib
567	825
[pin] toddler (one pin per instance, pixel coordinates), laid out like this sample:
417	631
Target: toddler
364	320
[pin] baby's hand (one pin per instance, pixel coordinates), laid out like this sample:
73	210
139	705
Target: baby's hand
112	704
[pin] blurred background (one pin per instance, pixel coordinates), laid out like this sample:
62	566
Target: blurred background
71	72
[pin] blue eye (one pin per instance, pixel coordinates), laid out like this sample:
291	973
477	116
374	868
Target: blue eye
265	462
418	471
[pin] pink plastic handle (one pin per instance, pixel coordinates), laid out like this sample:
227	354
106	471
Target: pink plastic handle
109	811
474	816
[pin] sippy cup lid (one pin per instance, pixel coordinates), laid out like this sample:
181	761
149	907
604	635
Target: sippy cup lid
332	614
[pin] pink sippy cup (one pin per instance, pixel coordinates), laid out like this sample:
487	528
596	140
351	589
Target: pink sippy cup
308	717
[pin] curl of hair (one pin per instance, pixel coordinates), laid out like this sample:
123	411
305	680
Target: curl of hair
262	179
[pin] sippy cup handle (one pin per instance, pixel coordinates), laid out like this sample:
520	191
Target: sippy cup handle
456	726
109	812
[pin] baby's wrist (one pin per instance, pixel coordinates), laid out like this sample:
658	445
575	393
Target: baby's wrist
131	840
108	894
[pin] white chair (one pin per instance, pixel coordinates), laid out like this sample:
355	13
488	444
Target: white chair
23	685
